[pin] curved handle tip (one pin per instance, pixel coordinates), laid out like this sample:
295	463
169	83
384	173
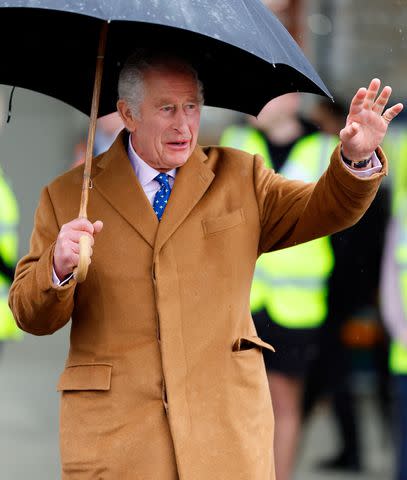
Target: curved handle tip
81	271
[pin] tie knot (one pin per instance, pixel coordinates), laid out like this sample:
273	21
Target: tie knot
162	179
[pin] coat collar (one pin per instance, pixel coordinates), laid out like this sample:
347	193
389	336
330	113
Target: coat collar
118	184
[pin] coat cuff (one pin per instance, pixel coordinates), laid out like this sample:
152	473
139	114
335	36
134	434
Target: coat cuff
44	275
353	182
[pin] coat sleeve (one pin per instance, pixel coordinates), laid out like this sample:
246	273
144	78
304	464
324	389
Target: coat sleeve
39	307
293	212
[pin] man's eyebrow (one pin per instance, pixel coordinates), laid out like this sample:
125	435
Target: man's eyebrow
166	101
163	101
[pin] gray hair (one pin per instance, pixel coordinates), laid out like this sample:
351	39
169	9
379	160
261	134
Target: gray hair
131	78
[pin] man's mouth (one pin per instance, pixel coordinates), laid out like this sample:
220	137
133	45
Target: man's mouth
179	145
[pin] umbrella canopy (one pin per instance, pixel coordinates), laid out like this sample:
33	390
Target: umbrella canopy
242	53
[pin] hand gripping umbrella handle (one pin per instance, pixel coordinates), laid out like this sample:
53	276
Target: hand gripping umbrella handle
84	242
81	270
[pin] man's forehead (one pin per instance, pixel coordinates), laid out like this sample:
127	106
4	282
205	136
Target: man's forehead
168	99
164	84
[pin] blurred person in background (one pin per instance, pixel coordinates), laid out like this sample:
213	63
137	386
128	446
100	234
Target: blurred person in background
289	291
393	294
107	129
9	219
331	370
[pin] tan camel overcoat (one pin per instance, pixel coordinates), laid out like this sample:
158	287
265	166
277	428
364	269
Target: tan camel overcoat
165	378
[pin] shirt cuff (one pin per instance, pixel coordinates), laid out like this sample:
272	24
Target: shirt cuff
57	282
376	167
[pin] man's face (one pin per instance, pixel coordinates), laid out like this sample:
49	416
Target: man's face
166	131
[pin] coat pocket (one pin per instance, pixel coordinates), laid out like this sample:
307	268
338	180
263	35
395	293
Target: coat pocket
214	225
92	376
246	344
85	418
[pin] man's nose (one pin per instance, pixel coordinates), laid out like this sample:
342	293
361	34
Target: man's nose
180	121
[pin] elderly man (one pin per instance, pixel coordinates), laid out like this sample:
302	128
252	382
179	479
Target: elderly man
165	378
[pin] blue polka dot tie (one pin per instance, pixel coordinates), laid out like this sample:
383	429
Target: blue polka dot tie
162	196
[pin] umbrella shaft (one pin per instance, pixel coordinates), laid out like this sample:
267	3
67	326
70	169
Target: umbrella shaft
93	119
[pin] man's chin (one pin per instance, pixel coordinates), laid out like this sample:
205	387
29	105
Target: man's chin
178	160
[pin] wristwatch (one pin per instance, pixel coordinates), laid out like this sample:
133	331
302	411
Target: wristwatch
352	164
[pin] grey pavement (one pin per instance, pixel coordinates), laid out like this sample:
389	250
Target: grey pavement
29	373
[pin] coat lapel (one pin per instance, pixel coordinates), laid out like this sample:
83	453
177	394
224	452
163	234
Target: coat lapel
191	182
118	184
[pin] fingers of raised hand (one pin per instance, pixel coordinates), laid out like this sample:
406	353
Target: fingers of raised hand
357	101
371	99
366	98
381	101
392	112
371	94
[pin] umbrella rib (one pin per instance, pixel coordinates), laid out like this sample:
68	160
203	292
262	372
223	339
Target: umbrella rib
262	18
250	15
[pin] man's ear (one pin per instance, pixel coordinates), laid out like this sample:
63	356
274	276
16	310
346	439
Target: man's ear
126	115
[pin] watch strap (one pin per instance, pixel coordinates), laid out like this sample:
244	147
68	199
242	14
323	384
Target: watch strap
352	164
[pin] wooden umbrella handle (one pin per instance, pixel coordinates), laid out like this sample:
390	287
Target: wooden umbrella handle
84	243
84	259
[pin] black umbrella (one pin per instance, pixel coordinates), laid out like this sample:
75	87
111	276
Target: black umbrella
242	53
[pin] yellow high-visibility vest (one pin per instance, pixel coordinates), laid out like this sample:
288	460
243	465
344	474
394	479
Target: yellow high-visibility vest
398	351
9	218
291	284
396	148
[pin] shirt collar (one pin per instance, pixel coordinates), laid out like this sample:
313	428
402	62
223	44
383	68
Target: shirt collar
144	173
